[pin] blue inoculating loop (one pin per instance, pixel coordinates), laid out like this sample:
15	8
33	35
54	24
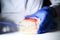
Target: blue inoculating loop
9	23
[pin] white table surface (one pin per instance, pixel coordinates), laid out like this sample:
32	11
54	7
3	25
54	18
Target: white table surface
20	36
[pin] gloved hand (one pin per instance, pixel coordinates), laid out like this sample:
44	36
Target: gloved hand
46	19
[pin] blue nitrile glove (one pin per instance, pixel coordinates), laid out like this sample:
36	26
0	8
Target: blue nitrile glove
46	19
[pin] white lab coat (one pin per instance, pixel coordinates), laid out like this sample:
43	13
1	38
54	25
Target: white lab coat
21	5
15	10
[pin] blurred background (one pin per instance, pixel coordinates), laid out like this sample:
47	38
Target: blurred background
52	35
